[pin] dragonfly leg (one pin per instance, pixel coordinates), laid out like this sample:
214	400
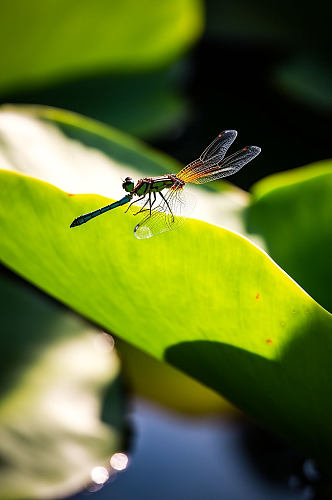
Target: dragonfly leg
154	201
169	208
135	201
142	209
151	205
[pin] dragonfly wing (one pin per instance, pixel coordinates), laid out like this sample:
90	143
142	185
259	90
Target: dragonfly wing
211	156
218	148
228	166
172	211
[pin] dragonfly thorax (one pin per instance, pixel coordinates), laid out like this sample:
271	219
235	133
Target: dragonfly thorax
156	184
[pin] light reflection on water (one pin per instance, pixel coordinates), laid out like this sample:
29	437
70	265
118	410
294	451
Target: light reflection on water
119	461
99	475
175	457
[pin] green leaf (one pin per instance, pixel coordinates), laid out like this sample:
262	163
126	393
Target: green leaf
292	211
54	371
203	298
44	42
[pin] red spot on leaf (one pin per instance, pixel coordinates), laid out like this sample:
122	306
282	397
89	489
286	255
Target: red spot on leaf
70	194
269	341
244	149
258	296
219	135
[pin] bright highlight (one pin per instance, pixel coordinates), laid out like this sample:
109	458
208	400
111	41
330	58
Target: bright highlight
99	475
119	461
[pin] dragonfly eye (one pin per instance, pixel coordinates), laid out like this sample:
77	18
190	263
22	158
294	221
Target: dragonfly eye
128	184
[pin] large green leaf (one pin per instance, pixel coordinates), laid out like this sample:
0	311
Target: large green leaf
46	41
54	372
292	211
203	298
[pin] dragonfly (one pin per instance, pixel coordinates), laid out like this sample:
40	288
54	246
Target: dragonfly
164	203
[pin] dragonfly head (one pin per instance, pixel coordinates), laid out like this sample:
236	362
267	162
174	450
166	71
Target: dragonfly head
128	184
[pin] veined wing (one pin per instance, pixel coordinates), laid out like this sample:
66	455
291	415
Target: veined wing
172	211
211	156
203	172
218	148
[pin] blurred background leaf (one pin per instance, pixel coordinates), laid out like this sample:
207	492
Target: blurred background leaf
308	79
147	104
292	212
105	59
54	372
166	386
60	40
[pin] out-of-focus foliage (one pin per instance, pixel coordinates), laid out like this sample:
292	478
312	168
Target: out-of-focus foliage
303	69
146	104
239	324
292	212
163	384
306	79
41	42
111	60
54	372
283	22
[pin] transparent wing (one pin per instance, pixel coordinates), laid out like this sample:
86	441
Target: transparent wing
171	212
218	148
211	156
228	166
203	172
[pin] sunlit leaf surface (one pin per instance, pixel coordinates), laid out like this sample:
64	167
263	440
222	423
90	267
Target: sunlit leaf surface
203	298
54	372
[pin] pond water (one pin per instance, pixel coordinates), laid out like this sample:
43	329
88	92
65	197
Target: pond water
177	457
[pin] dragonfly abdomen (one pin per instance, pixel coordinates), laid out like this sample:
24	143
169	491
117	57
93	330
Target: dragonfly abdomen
82	219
